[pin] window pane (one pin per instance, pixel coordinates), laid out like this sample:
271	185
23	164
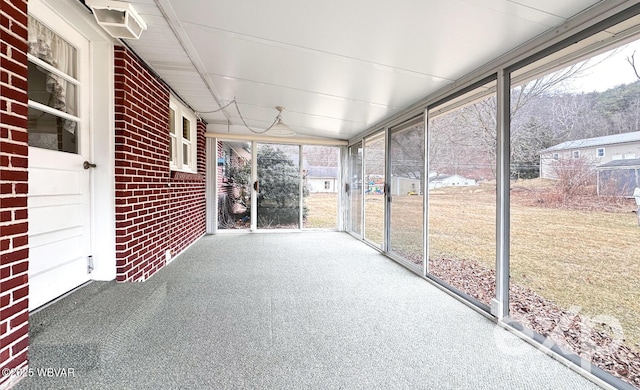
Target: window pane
574	239
186	129
407	178
374	171
321	164
234	184
185	153
355	188
279	186
172	121
47	46
462	194
173	150
51	90
52	132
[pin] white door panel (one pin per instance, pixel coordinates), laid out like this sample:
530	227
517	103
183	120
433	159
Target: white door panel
51	237
57	253
60	196
54	218
59	181
46	286
59	224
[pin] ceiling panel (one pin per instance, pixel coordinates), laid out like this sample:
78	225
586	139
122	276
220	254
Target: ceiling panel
338	66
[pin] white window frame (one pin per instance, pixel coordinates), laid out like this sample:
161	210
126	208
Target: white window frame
178	161
600	152
575	154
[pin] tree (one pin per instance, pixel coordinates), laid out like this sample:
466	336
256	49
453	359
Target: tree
279	187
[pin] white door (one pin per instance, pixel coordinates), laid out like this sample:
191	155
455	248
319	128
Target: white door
59	200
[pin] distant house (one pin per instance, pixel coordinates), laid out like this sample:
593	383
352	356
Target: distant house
596	151
619	177
442	180
322	179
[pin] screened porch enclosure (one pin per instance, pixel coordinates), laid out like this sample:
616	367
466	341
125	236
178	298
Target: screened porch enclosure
471	192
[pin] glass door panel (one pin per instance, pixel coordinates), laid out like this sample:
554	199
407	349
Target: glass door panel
278	186
462	193
321	185
355	189
406	166
234	184
374	183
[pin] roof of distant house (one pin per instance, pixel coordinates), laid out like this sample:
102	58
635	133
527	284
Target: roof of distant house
597	141
634	162
442	176
324	172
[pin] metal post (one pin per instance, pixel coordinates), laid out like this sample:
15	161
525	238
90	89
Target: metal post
386	245
301	188
211	191
254	193
500	304
425	197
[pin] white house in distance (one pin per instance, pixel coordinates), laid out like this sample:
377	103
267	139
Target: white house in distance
597	151
322	179
439	180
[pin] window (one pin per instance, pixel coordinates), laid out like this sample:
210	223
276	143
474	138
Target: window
182	132
327	185
538	256
556	156
53	111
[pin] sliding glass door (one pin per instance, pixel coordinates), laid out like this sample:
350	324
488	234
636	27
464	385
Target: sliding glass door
355	189
374	189
278	186
234	184
406	172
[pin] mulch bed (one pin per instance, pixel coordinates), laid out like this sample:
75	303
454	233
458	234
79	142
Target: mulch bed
590	339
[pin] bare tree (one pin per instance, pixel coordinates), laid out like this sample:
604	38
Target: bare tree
632	61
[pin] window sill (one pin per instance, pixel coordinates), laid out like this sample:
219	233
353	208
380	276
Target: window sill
186	175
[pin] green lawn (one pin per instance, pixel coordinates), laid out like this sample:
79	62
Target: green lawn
583	260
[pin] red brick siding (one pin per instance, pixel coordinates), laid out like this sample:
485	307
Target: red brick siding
14	248
156	209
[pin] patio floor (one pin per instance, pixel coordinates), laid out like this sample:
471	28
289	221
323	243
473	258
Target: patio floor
310	310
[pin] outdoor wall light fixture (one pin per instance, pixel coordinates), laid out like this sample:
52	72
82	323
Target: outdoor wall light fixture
118	18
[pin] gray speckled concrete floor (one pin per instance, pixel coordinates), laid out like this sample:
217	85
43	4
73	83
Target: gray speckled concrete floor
280	311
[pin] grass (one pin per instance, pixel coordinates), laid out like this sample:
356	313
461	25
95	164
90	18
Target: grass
322	210
586	260
373	218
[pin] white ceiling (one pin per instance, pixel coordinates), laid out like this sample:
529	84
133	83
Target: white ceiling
338	66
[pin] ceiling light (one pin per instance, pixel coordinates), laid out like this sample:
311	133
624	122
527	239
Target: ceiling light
280	129
118	18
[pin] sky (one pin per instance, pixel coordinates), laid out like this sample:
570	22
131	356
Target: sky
610	72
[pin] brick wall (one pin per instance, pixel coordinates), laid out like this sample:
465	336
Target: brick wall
156	209
14	250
